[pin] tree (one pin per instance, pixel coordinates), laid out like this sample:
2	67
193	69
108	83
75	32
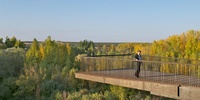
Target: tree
11	62
49	89
68	47
10	42
19	44
13	41
62	53
2	46
42	51
8	88
104	49
7	42
87	46
1	40
189	45
120	92
73	83
91	49
33	54
112	49
30	81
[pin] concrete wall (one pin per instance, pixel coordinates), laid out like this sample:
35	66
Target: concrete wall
159	89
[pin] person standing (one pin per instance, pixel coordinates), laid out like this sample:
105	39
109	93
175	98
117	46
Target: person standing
138	57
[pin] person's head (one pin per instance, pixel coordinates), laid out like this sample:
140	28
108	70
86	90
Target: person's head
139	52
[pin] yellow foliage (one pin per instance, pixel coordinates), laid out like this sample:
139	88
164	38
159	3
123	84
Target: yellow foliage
68	48
42	51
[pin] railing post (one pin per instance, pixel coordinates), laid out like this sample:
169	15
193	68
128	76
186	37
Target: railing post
175	73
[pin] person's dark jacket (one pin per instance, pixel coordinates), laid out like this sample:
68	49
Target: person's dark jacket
137	56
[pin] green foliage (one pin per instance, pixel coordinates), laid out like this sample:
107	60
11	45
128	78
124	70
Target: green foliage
94	96
10	43
19	44
77	95
148	98
110	96
58	96
1	40
84	95
57	54
5	92
29	82
120	92
8	69
13	42
49	89
2	46
87	47
72	82
8	88
50	68
11	62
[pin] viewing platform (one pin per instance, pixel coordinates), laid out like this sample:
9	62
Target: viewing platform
168	79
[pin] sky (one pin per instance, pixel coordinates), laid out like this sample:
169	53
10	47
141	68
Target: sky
98	20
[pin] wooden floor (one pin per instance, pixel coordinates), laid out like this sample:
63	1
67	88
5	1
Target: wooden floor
153	76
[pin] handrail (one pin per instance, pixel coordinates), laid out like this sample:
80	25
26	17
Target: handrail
149	56
145	61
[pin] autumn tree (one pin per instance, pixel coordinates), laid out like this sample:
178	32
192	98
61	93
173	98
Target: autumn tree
112	49
33	54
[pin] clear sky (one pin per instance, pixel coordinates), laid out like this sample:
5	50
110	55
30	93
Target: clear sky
98	20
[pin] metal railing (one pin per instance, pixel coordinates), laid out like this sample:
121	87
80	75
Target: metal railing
153	58
155	71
